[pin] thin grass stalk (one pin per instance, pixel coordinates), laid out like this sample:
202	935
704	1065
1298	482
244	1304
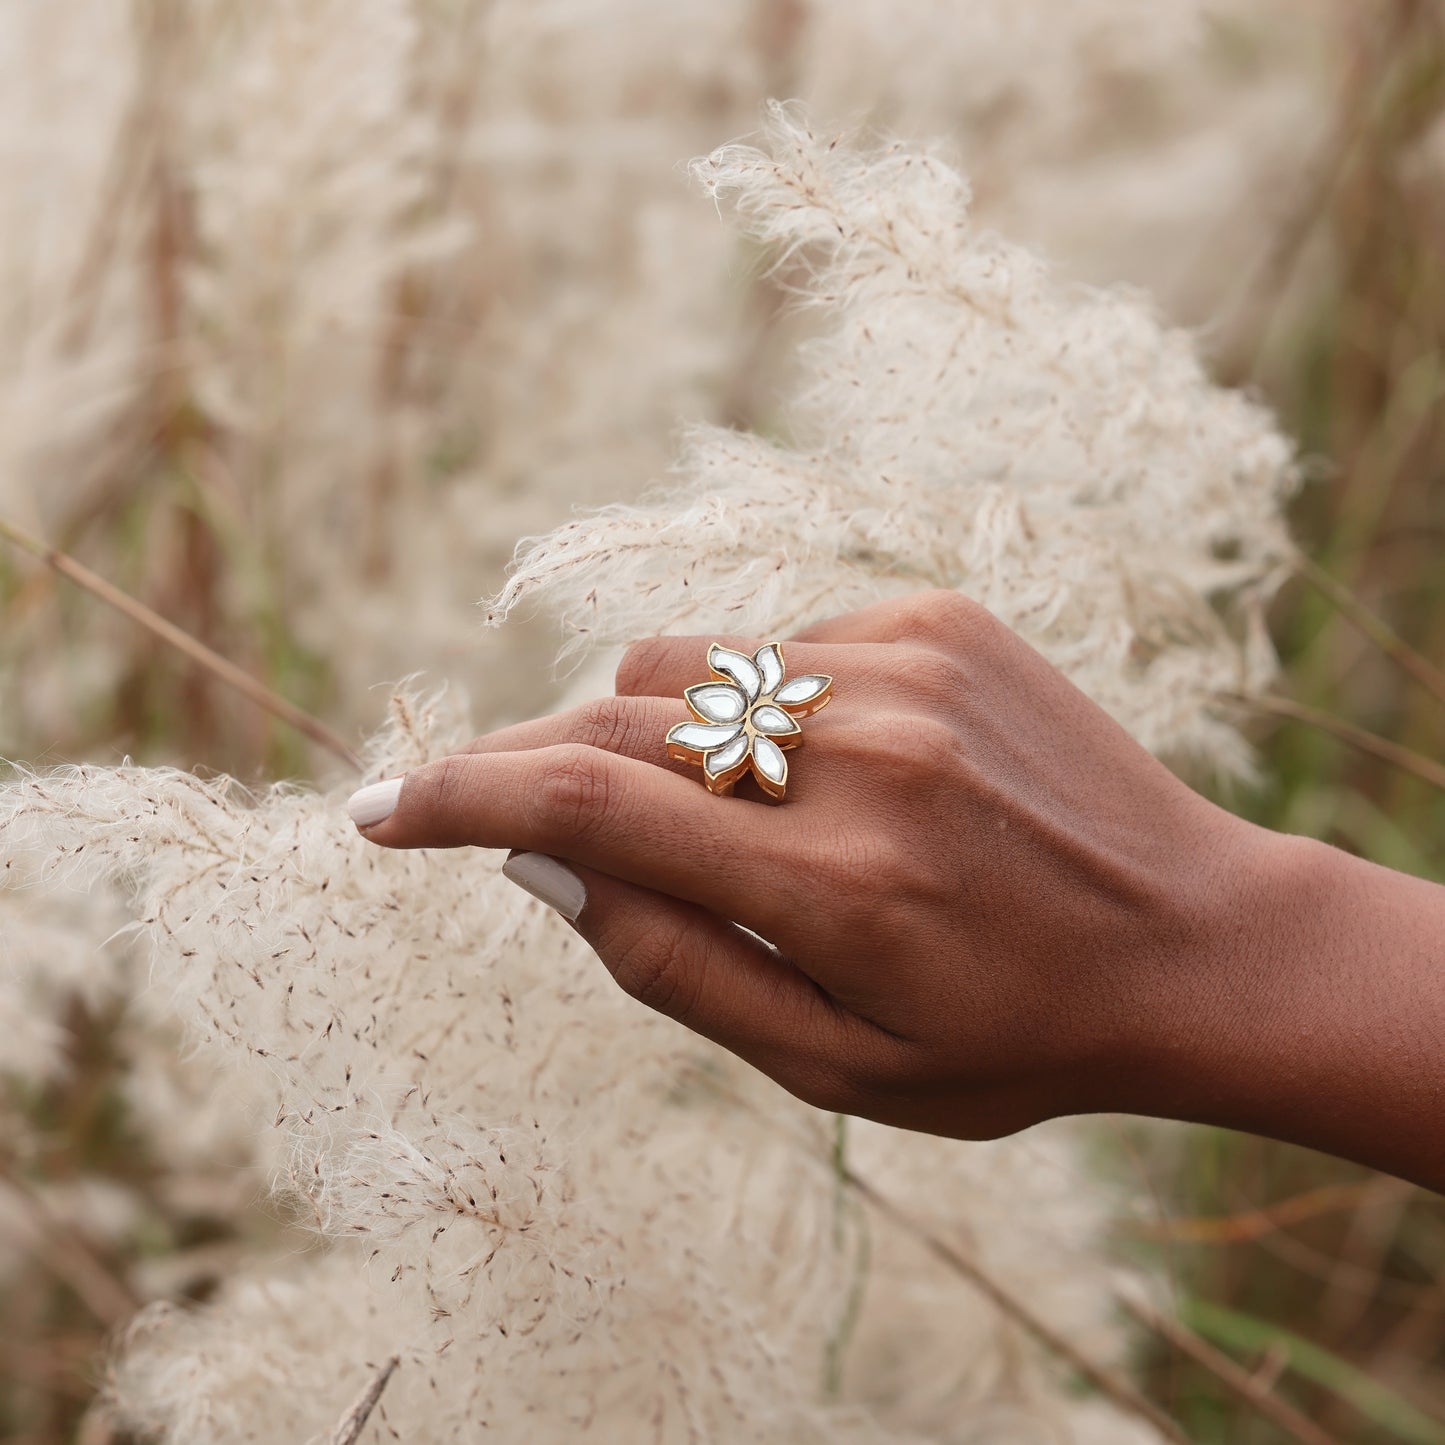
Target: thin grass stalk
349	1428
1108	1382
204	657
1368	1396
1237	1380
1118	1389
1420	668
1426	769
1247	1387
72	1260
1252	1224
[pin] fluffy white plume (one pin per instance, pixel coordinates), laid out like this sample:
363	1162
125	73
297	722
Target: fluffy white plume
1191	119
964	420
313	304
565	1214
357	291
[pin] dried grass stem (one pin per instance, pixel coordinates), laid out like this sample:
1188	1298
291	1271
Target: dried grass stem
204	657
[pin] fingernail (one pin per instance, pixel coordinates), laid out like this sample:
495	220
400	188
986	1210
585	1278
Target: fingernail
545	878
374	803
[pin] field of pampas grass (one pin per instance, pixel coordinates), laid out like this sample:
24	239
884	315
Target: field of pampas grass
324	321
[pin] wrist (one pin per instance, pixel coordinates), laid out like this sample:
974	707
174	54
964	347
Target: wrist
1214	979
1247	991
1307	1008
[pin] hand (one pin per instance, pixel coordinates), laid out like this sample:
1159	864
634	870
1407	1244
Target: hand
980	899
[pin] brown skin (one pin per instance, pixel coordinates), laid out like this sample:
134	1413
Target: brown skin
989	905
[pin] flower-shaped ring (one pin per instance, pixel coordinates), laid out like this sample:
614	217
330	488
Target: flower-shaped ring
747	716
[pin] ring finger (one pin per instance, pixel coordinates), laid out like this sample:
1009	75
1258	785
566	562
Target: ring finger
635	727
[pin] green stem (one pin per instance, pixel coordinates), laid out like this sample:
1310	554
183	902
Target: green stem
1374	1401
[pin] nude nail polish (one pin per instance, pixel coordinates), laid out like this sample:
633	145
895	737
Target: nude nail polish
545	878
374	803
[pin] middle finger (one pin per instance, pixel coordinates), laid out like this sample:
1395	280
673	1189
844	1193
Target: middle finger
635	727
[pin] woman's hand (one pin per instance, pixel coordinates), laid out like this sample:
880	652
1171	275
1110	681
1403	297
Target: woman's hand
974	875
983	903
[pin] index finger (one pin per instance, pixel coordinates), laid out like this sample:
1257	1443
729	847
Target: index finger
617	814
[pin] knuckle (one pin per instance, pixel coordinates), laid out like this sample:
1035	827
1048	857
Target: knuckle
904	750
873	737
928	675
930	755
881	741
605	722
944	617
654	972
930	741
637	673
943	606
572	795
861	1070
451	784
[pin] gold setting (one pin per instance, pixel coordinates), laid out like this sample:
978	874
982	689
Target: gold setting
746	717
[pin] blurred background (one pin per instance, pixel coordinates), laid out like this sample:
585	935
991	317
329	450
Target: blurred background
309	311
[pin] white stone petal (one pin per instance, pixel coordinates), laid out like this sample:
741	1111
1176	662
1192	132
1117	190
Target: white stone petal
769	760
774	720
699	737
769	662
736	666
728	756
718	702
803	689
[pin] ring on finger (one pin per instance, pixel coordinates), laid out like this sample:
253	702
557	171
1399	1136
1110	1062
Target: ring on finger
747	718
